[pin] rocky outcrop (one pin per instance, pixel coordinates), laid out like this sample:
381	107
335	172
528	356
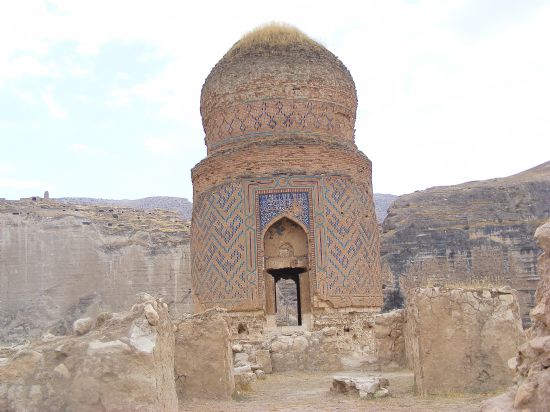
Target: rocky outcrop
180	205
61	262
382	203
123	363
480	232
203	357
460	340
532	363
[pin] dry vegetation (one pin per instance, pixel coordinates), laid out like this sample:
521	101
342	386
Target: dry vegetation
272	35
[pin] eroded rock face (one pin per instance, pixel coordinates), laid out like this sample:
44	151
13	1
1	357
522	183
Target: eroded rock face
480	232
532	389
62	262
460	340
203	357
124	363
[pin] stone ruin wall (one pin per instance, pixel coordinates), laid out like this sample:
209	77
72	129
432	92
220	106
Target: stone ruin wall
460	340
60	262
484	263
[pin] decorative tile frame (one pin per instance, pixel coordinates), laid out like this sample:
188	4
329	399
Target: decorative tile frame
337	214
256	224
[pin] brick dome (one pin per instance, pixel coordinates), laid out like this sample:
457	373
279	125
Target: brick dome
274	84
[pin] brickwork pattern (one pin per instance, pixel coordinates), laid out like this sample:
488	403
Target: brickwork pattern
338	216
258	119
292	89
350	258
294	156
218	250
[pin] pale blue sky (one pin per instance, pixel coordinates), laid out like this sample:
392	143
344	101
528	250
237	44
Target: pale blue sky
101	98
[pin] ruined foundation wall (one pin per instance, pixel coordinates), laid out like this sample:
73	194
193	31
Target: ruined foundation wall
116	362
460	340
203	357
338	341
390	339
533	359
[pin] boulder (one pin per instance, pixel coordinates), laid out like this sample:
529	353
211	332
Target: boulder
241	359
83	325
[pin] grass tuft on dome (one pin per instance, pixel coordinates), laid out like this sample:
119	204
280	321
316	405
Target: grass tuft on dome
272	35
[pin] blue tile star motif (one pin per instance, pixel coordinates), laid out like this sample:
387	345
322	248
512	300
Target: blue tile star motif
275	204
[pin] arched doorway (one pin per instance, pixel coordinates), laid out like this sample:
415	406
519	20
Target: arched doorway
286	274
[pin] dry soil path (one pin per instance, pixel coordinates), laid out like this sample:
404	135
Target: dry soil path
309	391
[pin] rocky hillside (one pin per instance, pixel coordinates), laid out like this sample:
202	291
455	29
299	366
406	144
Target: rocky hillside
176	204
184	207
61	261
478	231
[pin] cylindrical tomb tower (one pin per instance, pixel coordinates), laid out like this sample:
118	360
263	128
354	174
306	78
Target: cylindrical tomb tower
282	205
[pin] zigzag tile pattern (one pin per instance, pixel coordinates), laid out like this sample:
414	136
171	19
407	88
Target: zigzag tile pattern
350	258
218	255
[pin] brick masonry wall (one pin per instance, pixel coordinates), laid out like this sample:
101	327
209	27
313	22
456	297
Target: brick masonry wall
279	124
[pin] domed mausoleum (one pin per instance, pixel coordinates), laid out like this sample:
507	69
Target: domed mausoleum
283	196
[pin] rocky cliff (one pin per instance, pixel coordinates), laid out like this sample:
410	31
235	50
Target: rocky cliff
480	232
59	262
175	204
382	203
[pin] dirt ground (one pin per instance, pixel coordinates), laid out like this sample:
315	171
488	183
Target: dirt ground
310	391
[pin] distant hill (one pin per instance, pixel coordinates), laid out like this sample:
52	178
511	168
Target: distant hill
477	232
184	207
382	202
176	204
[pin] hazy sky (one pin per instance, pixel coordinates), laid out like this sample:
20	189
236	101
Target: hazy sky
101	98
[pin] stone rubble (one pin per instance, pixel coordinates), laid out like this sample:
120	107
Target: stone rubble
328	349
368	387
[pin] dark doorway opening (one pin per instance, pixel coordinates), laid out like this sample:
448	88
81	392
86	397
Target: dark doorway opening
288	305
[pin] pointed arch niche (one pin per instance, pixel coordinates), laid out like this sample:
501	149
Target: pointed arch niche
286	274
